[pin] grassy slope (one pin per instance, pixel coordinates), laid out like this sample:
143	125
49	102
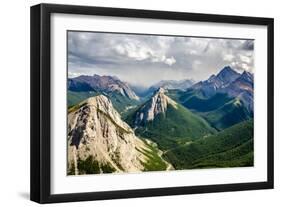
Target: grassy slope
175	126
74	97
228	148
204	104
220	110
227	115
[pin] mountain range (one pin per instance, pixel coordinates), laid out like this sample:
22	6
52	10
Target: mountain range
216	82
101	84
175	125
230	82
120	93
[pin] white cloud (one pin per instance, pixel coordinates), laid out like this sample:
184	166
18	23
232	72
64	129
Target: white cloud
245	59
228	57
144	59
170	61
136	51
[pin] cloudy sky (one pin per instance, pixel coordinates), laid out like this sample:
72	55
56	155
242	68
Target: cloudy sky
147	59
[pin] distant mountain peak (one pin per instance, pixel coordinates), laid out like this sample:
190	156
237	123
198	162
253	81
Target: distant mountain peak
227	68
245	77
173	84
216	83
211	78
103	83
247	74
227	75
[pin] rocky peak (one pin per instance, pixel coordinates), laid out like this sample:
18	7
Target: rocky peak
160	90
227	75
96	131
247	76
217	82
102	105
157	104
211	78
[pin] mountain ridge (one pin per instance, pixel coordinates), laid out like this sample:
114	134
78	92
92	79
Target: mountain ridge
101	84
100	142
230	82
162	125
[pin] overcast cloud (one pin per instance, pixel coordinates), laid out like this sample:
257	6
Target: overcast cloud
147	59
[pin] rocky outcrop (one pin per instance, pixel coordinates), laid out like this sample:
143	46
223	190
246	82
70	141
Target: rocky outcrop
96	131
156	105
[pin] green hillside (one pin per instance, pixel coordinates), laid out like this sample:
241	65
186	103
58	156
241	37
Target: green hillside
232	147
74	97
227	115
220	110
120	103
176	126
206	104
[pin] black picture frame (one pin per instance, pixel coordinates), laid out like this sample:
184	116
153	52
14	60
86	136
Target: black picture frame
41	96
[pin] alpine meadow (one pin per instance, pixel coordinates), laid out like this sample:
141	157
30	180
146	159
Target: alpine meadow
140	102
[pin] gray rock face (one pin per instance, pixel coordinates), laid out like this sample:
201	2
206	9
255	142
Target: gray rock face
102	84
157	104
227	75
212	85
95	129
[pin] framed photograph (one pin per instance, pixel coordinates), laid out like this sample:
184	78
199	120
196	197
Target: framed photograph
133	103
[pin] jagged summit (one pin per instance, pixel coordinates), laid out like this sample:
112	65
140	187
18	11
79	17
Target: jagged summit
211	78
217	82
227	75
157	104
247	76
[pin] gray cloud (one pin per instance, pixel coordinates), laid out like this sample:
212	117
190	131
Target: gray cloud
248	45
146	59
